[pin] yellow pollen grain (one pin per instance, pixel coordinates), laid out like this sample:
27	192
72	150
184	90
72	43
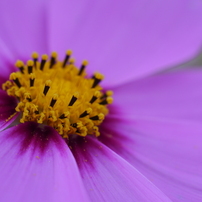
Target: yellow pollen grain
109	100
85	62
71	60
13	76
48	83
44	57
54	54
68	52
19	63
59	94
55	96
11	116
30	63
109	93
88	110
99	76
34	55
32	76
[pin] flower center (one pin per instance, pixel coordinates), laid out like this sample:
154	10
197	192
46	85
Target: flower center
59	94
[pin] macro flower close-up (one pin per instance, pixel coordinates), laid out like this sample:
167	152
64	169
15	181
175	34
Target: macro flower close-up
99	102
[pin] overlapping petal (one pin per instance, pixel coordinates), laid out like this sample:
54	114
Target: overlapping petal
126	40
175	95
37	165
156	126
167	153
107	177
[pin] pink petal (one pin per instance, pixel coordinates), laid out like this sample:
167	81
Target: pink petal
7	109
5	65
170	96
107	177
37	165
127	40
167	153
23	30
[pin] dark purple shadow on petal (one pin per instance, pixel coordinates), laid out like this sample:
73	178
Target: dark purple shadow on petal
110	137
113	138
36	137
79	147
2	80
7	108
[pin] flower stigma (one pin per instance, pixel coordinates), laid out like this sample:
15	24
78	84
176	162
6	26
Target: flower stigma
60	95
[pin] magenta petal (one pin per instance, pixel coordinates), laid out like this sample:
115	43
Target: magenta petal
7	109
127	40
171	96
37	165
6	66
167	153
107	177
23	30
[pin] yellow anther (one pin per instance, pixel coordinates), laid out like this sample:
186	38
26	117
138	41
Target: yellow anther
85	63
19	107
13	76
79	125
65	115
99	76
44	57
19	63
30	63
35	108
7	85
60	128
71	60
97	94
48	83
101	116
109	93
82	131
27	95
32	76
86	113
55	96
109	100
96	131
52	116
59	94
54	54
76	94
68	52
41	118
35	55
25	116
89	110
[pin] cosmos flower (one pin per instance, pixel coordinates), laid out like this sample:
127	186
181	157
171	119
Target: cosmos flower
149	144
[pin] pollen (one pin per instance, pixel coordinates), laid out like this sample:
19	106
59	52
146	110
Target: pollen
59	94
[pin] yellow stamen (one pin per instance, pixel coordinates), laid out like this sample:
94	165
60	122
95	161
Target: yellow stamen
59	94
20	65
35	55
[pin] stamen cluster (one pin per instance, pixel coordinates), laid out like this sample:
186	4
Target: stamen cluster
59	94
